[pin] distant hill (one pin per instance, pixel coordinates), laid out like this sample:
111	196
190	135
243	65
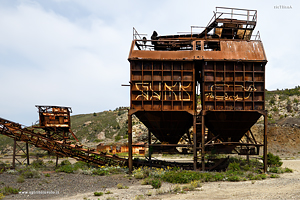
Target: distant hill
110	127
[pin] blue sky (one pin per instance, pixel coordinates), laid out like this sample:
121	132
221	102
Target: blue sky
74	52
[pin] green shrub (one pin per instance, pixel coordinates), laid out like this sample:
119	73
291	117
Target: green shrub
234	166
98	193
287	170
65	162
156	183
30	173
81	165
9	190
276	170
20	179
181	176
120	186
100	172
176	188
218	177
146	181
272	101
117	138
233	178
47	175
139	175
273	160
188	187
196	184
274	176
38	163
66	169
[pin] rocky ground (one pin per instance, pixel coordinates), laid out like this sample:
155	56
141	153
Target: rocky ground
78	186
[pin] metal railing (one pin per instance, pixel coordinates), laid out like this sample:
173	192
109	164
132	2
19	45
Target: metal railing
230	13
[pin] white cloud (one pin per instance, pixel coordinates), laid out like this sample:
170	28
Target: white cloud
74	53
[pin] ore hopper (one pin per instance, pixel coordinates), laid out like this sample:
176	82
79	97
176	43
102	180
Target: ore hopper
222	66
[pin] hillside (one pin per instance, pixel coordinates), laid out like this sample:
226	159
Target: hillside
110	127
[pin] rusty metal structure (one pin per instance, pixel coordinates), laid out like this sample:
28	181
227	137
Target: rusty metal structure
223	65
55	120
52	135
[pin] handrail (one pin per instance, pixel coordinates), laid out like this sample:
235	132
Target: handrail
248	13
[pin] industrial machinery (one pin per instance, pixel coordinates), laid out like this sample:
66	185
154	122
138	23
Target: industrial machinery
212	81
222	66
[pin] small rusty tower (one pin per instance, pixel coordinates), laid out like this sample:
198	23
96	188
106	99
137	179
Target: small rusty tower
55	120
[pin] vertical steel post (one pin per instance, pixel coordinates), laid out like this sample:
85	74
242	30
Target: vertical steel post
130	143
14	154
149	143
265	142
56	163
202	142
195	142
248	159
27	154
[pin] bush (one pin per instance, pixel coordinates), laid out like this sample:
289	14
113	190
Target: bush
272	101
30	173
156	183
38	163
234	178
139	175
234	166
273	160
176	188
120	186
98	193
287	170
274	176
65	162
181	176
81	165
196	184
9	190
20	179
100	172
66	169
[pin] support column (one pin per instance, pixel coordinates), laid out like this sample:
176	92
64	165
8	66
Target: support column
248	159
56	163
265	142
27	154
14	154
195	141
149	147
130	143
202	142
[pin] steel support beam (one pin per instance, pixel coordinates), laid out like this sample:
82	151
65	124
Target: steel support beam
265	142
202	142
130	143
150	147
14	154
195	141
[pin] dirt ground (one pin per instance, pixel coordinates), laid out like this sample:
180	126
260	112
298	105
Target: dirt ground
78	186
